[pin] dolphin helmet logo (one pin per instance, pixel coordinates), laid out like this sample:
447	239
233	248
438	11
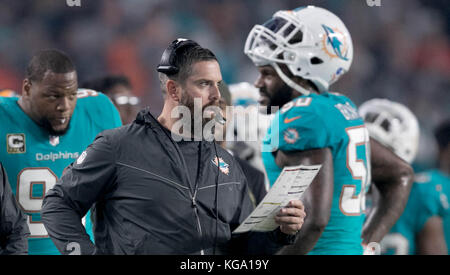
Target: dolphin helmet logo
335	44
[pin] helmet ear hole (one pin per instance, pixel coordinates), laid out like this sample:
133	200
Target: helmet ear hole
316	61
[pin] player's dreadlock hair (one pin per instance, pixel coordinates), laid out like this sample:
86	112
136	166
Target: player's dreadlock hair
48	60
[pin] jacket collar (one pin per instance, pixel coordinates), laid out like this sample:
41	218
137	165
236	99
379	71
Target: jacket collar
144	117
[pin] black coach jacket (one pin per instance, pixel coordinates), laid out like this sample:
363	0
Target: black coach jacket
13	224
144	203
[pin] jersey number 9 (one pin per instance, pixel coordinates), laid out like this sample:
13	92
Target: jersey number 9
32	185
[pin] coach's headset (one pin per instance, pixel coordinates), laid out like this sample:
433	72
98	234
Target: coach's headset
167	66
167	63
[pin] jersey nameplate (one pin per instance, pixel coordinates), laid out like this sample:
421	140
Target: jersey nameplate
347	111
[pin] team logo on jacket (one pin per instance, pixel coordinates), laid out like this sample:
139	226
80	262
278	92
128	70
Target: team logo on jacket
291	135
15	143
223	166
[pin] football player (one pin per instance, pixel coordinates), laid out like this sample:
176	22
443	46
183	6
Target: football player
45	130
419	229
119	90
255	177
245	96
441	176
299	54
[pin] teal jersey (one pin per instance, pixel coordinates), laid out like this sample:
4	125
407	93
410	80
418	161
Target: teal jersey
427	199
34	160
328	120
442	181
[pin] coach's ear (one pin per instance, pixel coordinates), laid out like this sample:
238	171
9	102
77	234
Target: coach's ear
173	90
26	87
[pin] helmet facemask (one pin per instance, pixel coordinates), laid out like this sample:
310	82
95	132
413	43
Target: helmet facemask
277	42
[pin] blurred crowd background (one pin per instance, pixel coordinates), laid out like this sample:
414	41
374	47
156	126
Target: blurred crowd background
402	48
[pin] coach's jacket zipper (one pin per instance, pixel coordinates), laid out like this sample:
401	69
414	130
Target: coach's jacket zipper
183	162
194	205
176	185
193	196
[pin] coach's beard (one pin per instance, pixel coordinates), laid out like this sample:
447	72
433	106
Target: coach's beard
198	119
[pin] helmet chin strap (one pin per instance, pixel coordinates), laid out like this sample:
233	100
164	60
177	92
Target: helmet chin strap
289	81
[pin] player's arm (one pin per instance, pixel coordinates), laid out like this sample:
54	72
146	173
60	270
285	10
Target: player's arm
83	183
13	226
393	178
317	198
430	240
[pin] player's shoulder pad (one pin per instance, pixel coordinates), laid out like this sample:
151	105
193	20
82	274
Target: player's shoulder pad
92	99
88	94
6	102
307	111
298	105
321	105
421	178
98	106
300	125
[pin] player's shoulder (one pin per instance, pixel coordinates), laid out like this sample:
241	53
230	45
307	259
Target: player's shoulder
6	103
94	102
428	193
430	176
97	107
425	184
423	177
88	97
320	106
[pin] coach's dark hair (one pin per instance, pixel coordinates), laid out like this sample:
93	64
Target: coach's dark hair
183	60
48	60
442	134
106	83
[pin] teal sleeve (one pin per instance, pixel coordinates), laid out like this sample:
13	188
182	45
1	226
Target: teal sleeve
301	130
427	198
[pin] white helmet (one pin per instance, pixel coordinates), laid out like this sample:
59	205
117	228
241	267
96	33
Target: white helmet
393	125
244	94
245	98
313	43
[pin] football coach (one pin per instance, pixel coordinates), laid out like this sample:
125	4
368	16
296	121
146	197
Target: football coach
154	189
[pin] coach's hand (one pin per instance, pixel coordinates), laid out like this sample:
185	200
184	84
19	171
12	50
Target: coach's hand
291	217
